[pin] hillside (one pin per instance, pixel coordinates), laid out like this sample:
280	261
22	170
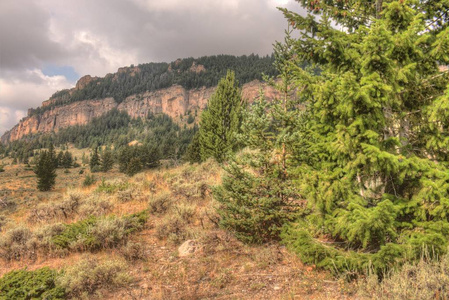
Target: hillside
176	89
149	262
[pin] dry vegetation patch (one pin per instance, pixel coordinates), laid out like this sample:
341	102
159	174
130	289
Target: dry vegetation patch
179	207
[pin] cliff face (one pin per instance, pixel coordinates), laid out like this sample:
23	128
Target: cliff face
78	113
173	101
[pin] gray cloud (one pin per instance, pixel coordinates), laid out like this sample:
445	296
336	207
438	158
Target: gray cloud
97	37
24	36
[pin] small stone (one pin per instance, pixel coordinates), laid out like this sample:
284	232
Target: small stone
276	288
187	248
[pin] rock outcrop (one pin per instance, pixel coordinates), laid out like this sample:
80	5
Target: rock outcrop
173	101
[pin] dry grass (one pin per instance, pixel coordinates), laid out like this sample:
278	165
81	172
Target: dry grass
424	280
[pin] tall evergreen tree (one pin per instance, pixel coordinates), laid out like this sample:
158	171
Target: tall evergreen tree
377	187
221	120
257	195
67	160
60	158
193	152
107	160
46	171
52	155
94	160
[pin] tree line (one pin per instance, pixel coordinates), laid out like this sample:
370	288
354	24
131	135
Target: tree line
154	76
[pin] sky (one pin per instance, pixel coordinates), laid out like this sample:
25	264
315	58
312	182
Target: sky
47	45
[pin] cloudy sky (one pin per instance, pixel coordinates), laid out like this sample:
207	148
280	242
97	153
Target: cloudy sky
46	45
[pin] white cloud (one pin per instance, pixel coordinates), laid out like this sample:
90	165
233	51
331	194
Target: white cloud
102	56
17	94
30	89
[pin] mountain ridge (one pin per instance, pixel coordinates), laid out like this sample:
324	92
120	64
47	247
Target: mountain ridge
69	108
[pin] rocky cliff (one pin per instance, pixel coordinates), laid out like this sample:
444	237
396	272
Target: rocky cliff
173	101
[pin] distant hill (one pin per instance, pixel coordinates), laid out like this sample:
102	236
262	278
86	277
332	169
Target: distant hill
177	89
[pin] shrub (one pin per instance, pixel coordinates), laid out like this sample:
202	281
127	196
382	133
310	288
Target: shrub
38	284
124	196
89	275
7	204
17	243
133	251
95	207
160	203
89	179
3	222
45	236
109	232
96	233
53	210
190	119
172	228
189	191
110	187
135	222
185	212
96	169
75	232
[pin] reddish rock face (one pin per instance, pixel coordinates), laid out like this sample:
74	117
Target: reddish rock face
84	81
173	101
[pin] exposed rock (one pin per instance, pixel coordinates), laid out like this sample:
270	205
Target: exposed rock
84	81
187	248
173	101
77	113
131	70
197	68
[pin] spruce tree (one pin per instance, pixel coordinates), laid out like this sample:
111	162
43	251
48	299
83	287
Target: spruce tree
52	155
60	158
221	120
193	152
107	160
46	171
67	160
94	161
258	195
377	183
134	166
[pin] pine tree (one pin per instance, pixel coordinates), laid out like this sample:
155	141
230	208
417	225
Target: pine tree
52	155
134	166
193	152
258	195
67	160
60	158
107	160
84	159
377	182
46	171
94	161
221	120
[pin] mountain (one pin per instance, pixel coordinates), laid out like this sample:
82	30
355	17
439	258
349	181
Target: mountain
175	89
